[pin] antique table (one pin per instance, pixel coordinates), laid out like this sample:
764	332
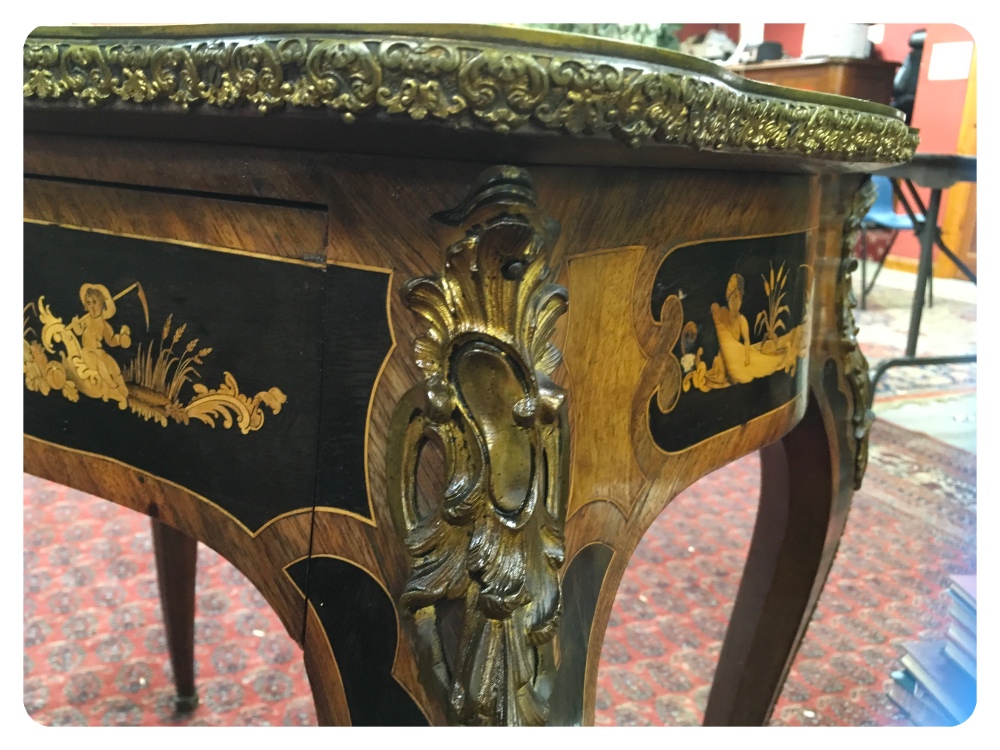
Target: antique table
421	327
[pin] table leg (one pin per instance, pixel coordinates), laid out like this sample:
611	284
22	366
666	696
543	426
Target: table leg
923	271
803	510
938	239
176	563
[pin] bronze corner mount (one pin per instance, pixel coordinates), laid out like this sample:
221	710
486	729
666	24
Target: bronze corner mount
854	365
484	587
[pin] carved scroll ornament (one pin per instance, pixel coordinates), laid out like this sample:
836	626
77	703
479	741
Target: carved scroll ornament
854	363
486	553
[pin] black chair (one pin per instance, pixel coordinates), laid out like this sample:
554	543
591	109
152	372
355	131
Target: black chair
904	85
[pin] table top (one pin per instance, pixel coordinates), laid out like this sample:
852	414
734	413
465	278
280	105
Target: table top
453	90
938	171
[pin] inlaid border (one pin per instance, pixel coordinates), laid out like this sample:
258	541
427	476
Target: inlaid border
177	485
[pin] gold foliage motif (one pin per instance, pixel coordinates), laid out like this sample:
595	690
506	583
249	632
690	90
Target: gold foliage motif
226	401
71	358
491	544
854	363
499	87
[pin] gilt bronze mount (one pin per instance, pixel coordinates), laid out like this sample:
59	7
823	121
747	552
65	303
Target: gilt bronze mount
492	544
854	363
472	81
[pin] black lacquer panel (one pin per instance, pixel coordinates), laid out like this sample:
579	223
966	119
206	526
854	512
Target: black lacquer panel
263	322
581	589
360	622
358	340
725	389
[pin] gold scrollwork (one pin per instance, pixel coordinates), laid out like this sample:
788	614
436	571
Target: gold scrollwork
503	88
420	94
152	382
591	96
499	87
342	75
491	544
854	363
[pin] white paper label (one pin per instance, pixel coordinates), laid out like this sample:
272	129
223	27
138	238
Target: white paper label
950	61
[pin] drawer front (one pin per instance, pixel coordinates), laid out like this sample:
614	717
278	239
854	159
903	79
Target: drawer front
204	368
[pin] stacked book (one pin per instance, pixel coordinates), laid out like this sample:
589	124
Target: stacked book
961	644
937	685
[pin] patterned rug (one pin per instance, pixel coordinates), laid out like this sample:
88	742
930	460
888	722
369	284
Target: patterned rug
94	646
911	525
94	649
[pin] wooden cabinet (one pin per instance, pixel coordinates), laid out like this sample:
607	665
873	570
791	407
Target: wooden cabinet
846	76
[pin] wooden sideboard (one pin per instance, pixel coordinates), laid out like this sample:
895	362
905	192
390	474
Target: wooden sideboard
421	327
866	78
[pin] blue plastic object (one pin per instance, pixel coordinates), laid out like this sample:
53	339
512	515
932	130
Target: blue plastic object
881	215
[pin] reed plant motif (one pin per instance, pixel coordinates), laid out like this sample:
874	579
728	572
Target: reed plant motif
151	384
155	384
769	320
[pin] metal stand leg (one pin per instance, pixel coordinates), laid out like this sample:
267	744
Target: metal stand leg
930	234
930	283
876	373
881	263
923	271
937	230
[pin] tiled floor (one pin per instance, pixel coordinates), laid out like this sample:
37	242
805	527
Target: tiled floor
953	419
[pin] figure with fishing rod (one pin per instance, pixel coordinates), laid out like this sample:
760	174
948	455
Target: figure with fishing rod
87	363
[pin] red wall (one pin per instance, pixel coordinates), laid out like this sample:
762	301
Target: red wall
788	35
937	111
895	44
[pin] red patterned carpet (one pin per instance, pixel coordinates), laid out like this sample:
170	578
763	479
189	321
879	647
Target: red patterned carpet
95	651
94	646
911	525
